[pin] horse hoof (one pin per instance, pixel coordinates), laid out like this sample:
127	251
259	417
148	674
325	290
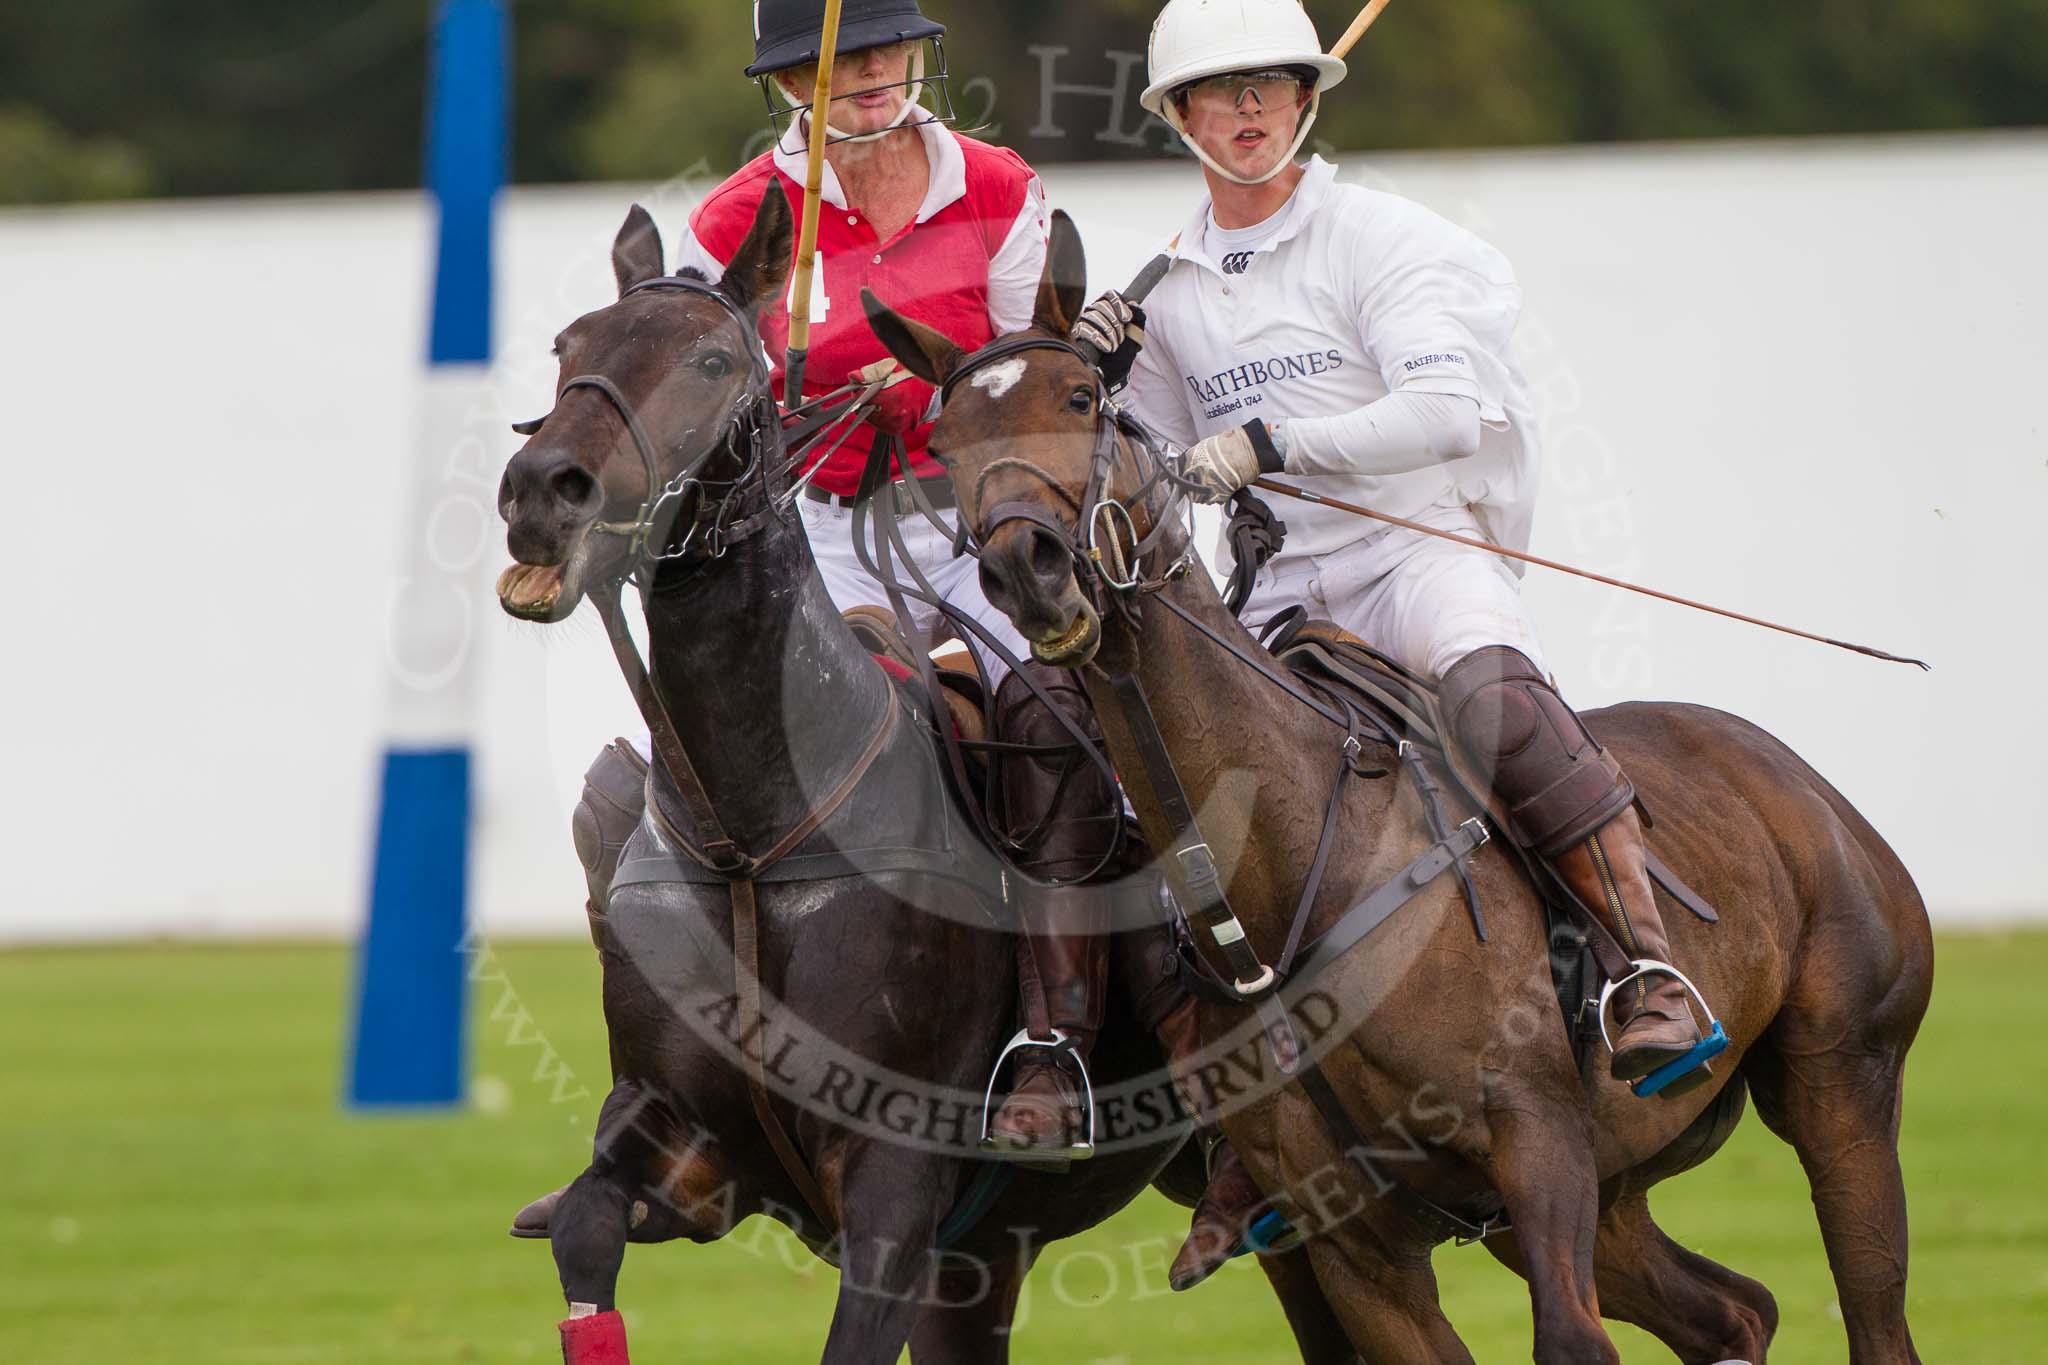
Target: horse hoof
532	1222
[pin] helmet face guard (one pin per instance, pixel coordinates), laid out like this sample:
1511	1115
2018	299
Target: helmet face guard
785	112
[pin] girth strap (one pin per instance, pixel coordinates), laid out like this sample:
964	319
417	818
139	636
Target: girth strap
1359	921
753	1034
1442	1223
1370	913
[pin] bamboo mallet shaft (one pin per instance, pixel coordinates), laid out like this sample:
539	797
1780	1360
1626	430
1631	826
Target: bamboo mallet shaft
814	188
1364	21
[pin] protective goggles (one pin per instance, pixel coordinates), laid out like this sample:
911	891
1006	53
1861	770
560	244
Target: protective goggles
1266	90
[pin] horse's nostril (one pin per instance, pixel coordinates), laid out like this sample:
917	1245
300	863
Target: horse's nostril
1049	558
572	486
992	586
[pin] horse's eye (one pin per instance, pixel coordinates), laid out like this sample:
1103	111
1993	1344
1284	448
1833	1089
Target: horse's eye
715	366
1082	401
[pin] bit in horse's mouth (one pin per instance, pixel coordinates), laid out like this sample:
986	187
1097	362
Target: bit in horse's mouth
1073	646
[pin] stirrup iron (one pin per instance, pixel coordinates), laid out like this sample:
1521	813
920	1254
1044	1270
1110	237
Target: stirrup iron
1709	1047
1061	1046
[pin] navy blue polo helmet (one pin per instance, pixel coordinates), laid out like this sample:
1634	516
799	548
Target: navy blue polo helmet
786	32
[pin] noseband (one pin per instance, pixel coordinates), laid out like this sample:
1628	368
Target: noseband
752	427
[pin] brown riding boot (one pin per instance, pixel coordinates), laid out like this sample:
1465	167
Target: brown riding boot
1606	871
614	795
1233	1201
1567	800
1071	813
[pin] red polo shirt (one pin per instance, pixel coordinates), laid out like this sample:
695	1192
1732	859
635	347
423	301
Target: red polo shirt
967	261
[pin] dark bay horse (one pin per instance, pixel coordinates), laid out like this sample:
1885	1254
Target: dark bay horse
885	969
1451	1054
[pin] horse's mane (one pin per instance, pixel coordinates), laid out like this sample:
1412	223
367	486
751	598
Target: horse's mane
691	272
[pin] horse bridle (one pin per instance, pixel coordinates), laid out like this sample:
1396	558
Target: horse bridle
751	426
1107	550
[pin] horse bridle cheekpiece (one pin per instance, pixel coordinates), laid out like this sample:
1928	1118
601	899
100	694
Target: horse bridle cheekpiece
1103	540
752	427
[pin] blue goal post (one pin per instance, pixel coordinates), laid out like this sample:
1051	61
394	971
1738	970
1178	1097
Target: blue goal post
409	1037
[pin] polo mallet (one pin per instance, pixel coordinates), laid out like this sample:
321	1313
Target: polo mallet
1288	490
1155	270
814	186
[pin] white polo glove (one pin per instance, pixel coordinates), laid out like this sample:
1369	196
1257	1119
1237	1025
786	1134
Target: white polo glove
888	371
1228	461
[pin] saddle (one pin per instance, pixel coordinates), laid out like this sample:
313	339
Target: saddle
1324	656
966	696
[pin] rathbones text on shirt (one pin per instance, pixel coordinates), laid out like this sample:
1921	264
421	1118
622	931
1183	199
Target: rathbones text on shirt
1249	376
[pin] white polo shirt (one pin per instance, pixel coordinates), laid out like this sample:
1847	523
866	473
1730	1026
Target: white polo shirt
1353	294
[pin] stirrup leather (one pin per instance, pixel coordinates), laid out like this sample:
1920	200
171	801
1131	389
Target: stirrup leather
1062	1048
1709	1047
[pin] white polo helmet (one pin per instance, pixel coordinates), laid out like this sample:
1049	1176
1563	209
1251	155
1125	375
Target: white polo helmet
1195	39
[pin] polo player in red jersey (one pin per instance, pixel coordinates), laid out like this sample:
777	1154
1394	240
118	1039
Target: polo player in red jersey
952	232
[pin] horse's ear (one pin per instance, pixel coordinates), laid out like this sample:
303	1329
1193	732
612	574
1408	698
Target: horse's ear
923	351
1063	289
636	251
759	270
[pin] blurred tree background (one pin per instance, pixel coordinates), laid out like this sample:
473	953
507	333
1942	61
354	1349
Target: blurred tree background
108	99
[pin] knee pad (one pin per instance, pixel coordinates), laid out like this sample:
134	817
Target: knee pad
1557	783
1021	718
1065	797
614	797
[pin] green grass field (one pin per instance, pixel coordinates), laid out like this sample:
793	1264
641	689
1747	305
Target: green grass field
183	1186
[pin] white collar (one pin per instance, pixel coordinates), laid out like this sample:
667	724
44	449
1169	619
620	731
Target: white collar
1294	215
941	150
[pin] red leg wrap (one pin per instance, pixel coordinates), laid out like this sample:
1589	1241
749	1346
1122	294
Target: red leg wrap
596	1340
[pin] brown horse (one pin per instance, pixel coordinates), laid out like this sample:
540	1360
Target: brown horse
1450	1053
885	970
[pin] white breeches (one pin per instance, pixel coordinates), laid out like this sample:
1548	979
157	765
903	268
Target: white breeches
1425	602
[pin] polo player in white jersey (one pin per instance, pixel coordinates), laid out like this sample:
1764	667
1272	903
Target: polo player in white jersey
1361	346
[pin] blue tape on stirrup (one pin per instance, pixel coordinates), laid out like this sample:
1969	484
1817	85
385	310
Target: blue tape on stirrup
1704	1051
1267	1229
